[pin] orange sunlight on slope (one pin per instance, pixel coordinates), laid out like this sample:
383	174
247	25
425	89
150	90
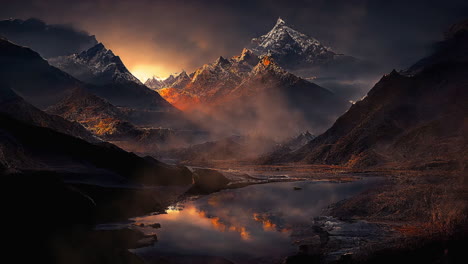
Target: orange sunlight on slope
180	100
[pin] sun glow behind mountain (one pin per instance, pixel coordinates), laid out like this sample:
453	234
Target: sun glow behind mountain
145	71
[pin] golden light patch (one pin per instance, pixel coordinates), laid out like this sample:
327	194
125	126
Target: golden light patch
266	223
145	71
266	61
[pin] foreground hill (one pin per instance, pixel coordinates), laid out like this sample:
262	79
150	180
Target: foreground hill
26	147
29	75
416	120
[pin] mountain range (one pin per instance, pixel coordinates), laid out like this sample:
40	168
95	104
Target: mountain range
110	79
47	87
250	93
218	87
176	80
415	120
242	87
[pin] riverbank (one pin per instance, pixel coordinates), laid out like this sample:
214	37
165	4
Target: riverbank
408	212
425	210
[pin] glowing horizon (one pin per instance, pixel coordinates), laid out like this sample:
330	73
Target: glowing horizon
144	72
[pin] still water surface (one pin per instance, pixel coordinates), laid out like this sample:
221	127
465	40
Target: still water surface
247	225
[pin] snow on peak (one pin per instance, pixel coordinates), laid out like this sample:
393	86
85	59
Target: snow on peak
286	43
97	65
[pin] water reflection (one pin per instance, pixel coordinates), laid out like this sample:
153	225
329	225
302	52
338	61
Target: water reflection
252	224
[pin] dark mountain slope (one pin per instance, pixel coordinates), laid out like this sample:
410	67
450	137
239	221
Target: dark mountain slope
452	49
96	114
415	120
111	79
24	71
271	89
113	124
16	107
27	147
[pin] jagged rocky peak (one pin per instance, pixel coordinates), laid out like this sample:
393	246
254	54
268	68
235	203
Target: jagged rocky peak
247	57
154	83
280	22
267	63
99	51
182	74
280	32
222	61
289	46
97	65
177	80
180	80
307	135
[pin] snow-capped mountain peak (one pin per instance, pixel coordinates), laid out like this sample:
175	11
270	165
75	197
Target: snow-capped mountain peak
97	65
175	80
289	46
154	83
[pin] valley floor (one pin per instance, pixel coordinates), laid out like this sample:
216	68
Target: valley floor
421	214
419	207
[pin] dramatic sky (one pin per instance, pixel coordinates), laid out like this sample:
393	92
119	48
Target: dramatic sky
160	37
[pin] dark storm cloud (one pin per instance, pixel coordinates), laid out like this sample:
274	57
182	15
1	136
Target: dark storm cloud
48	40
166	36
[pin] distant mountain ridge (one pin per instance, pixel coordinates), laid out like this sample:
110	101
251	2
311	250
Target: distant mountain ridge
242	87
176	80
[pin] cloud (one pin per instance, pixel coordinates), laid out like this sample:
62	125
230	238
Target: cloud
48	40
171	35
